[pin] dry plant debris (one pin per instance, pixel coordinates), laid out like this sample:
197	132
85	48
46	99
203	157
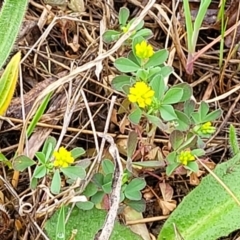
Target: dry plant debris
64	53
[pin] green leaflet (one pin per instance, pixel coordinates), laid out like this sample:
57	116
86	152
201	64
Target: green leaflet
11	17
208	212
8	82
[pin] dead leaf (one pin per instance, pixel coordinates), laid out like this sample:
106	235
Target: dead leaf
167	207
194	180
76	5
123	123
130	214
166	203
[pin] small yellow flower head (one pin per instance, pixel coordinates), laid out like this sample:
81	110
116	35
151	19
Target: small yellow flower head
185	157
205	129
144	50
124	29
63	158
141	94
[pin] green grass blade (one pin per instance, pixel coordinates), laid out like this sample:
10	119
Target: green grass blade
8	82
38	114
189	25
11	17
199	19
60	231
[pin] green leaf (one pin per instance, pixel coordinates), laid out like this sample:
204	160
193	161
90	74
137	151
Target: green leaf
171	168
137	184
85	205
171	157
22	162
40	171
192	166
132	56
135	41
98	179
108	166
142	74
11	17
183	121
156	121
123	15
60	230
8	79
213	116
203	110
33	183
77	152
107	187
125	89
98	197
120	81
87	224
166	71
157	59
49	146
173	95
153	71
176	139
41	157
5	161
189	143
41	109
167	113
189	107
90	190
196	118
132	142
139	26
125	65
233	141
111	36
145	33
74	172
158	85
187	91
56	182
198	152
139	206
135	116
133	195
149	164
218	209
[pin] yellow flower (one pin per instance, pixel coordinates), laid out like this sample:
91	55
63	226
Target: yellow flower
144	50
205	129
124	29
63	158
185	157
141	94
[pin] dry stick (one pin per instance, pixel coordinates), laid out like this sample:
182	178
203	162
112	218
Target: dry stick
91	120
146	220
203	50
106	231
82	68
223	96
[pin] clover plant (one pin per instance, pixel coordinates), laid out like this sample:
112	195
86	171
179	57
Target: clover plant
98	190
52	163
124	25
149	97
